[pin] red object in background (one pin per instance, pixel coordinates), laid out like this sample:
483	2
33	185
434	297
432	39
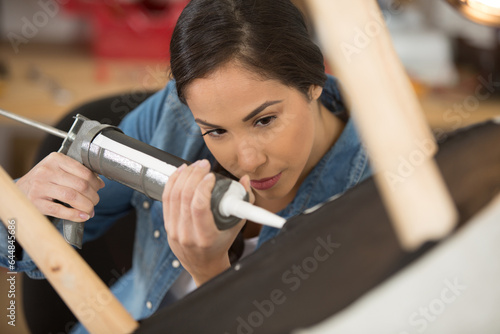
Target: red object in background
130	30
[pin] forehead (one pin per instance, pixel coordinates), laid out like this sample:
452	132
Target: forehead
232	90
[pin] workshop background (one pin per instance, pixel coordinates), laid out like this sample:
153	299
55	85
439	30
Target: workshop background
58	54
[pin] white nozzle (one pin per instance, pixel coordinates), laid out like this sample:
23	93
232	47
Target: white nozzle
232	204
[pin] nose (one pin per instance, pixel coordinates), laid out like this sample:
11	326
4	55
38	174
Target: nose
250	156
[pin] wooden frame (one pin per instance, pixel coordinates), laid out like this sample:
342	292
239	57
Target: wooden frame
387	113
82	290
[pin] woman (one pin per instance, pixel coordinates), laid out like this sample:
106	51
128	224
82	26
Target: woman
250	94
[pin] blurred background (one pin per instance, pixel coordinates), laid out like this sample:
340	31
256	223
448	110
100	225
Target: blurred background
58	54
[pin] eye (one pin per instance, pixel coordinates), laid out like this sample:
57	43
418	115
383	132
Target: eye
215	133
265	121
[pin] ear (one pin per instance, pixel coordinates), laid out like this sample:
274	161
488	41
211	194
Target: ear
315	92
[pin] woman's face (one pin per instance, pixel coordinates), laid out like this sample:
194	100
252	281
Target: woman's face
257	127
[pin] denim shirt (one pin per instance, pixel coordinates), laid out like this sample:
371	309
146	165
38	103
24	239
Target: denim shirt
164	122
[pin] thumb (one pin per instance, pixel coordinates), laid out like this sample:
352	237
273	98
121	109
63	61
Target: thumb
245	182
203	193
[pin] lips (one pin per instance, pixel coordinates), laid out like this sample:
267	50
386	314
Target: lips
266	183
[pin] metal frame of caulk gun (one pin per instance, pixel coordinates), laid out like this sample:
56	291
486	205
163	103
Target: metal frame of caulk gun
105	150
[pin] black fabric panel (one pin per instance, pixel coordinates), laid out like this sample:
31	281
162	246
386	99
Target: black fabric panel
470	163
293	281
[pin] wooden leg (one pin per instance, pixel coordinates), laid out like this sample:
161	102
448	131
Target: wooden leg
387	113
81	289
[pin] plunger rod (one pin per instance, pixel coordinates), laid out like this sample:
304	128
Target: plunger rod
30	122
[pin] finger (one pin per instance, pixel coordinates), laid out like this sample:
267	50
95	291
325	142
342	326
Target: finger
185	225
69	196
245	181
170	183
73	167
181	223
101	182
199	170
202	200
57	210
204	229
81	185
167	199
178	185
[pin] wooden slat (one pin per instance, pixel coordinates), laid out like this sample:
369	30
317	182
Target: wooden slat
387	113
82	290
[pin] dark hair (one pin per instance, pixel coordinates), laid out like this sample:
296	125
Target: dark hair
267	37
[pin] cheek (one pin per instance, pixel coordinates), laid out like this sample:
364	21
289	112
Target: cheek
299	142
225	154
292	144
221	153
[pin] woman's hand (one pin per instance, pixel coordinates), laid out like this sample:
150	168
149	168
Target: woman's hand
192	235
58	177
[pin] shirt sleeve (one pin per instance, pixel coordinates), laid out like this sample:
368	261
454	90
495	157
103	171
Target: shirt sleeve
22	262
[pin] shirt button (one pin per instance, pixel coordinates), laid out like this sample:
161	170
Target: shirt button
145	205
156	234
176	263
149	305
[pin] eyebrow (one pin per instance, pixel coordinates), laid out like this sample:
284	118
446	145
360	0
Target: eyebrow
259	109
255	112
